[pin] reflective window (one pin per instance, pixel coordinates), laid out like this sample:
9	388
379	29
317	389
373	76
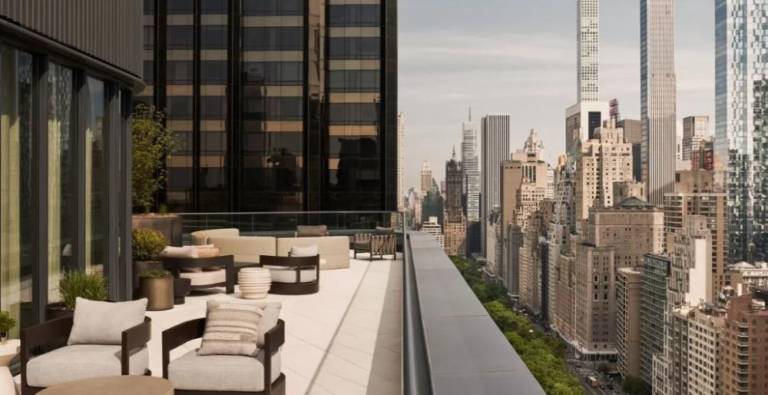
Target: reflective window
95	178
179	72
354	15
213	107
353	113
213	71
213	37
149	37
273	73
354	47
16	176
149	7
180	7
179	107
354	80
180	37
213	7
62	177
149	71
282	108
273	7
273	38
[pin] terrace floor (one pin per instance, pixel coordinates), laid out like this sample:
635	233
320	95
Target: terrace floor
344	339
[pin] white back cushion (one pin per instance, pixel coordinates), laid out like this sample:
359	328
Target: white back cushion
104	322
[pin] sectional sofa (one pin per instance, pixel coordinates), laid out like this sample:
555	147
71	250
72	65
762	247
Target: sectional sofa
334	250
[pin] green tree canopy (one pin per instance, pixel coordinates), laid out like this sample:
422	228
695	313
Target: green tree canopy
152	144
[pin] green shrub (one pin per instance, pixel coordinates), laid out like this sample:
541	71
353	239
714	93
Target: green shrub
152	144
6	322
76	284
155	273
147	244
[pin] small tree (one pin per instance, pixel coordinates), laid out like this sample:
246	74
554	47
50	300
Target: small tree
152	144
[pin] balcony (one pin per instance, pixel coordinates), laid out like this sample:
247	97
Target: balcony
405	323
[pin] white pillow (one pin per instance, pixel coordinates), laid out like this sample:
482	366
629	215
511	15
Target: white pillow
104	322
303	251
180	252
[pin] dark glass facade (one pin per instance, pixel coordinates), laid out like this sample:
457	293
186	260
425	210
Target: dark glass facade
278	105
65	105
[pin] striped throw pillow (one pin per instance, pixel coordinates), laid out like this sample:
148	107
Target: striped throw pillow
231	329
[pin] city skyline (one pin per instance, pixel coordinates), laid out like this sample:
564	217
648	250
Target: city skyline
497	48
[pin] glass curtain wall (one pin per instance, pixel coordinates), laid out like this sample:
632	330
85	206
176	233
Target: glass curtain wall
95	178
179	72
273	36
354	152
16	188
62	173
214	193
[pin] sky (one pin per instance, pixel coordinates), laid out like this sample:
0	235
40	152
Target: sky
518	57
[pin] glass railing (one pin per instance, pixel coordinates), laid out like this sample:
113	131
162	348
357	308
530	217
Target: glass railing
284	224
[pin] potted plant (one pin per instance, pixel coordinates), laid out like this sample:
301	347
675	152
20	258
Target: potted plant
157	287
152	144
6	324
74	284
147	246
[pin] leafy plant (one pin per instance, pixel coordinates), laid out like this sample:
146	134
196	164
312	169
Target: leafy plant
155	273
147	244
152	144
76	284
6	322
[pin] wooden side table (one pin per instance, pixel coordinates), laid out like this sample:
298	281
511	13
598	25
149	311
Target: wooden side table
8	351
113	385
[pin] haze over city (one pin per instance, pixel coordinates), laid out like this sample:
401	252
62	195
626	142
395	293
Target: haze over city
519	58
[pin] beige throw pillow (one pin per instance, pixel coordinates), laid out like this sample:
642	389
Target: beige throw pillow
104	322
180	252
231	329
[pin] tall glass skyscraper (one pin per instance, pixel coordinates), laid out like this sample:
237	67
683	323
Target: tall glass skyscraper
278	105
658	97
495	136
471	169
741	122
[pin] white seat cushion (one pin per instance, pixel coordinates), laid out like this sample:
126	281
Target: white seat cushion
205	277
81	361
221	372
286	275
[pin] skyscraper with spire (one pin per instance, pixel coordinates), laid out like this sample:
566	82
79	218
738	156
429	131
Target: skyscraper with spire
471	169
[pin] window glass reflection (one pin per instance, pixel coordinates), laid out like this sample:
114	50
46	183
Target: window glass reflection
180	37
180	6
354	80
353	113
363	15
274	73
273	7
62	181
273	38
213	71
95	177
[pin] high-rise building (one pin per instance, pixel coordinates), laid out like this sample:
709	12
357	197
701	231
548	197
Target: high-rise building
746	277
695	194
283	105
495	135
744	357
582	120
400	162
633	134
426	178
695	129
694	349
454	221
614	238
588	38
605	159
704	157
653	307
741	133
629	284
432	227
658	97
470	165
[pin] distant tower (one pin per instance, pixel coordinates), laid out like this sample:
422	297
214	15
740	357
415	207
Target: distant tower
426	178
495	149
589	50
658	97
471	169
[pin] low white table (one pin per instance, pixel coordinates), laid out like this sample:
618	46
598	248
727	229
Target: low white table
7	352
254	282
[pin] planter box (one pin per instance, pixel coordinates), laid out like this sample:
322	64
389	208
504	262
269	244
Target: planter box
167	224
159	293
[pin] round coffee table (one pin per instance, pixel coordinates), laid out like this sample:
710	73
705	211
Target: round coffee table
113	385
254	282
